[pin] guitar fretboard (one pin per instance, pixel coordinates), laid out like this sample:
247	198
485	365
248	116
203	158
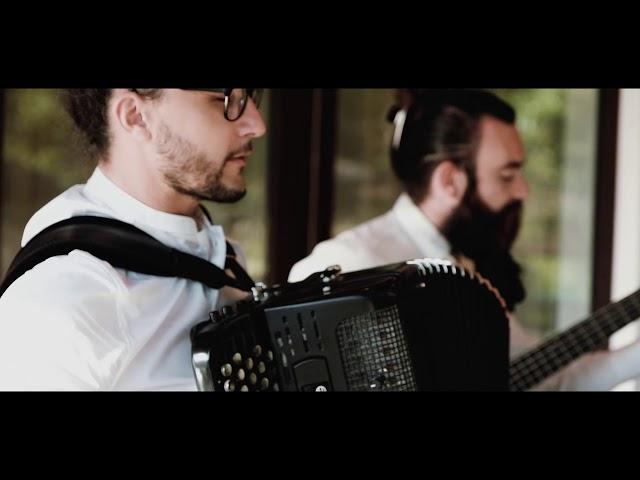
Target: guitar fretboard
533	367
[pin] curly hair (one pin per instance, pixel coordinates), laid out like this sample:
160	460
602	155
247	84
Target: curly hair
88	109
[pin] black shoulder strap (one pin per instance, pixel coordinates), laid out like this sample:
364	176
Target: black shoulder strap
123	246
231	262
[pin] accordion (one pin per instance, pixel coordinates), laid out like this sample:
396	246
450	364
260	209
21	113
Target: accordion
418	325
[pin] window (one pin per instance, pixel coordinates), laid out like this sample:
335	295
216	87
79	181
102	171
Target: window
555	246
365	185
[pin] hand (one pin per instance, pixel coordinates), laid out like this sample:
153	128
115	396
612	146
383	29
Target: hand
602	370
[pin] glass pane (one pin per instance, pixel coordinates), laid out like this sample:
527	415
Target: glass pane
558	128
364	183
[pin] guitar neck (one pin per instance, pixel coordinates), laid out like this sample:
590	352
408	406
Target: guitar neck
533	367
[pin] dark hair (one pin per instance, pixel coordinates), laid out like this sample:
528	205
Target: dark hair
440	125
88	108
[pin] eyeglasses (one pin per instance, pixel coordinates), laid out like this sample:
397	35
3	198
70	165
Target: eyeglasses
235	99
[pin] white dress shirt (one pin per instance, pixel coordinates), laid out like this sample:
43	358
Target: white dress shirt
76	323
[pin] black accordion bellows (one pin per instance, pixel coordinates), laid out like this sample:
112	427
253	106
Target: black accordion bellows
418	325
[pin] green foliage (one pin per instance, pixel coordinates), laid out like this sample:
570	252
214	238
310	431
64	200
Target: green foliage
541	116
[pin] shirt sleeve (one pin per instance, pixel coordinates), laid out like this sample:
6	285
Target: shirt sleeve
327	254
61	326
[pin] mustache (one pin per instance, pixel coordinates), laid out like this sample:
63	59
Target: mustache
243	151
512	209
475	230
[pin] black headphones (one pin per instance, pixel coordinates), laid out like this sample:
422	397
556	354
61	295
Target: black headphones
411	127
415	124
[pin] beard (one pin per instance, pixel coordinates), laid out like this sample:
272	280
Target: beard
486	237
191	172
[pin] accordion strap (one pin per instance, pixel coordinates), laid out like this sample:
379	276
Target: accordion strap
127	247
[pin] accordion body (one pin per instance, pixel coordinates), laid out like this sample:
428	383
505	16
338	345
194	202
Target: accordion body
418	325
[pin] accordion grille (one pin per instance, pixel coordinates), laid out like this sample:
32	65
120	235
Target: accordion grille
374	352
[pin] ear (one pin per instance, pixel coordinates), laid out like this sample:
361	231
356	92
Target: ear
449	183
129	112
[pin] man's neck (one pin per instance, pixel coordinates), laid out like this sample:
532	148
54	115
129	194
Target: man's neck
148	187
434	213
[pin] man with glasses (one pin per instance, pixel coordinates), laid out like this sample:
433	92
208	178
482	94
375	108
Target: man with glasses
74	322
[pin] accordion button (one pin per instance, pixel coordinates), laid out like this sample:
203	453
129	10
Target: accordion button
237	359
241	374
215	317
229	386
257	350
249	363
244	388
226	370
270	356
253	379
261	367
264	383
